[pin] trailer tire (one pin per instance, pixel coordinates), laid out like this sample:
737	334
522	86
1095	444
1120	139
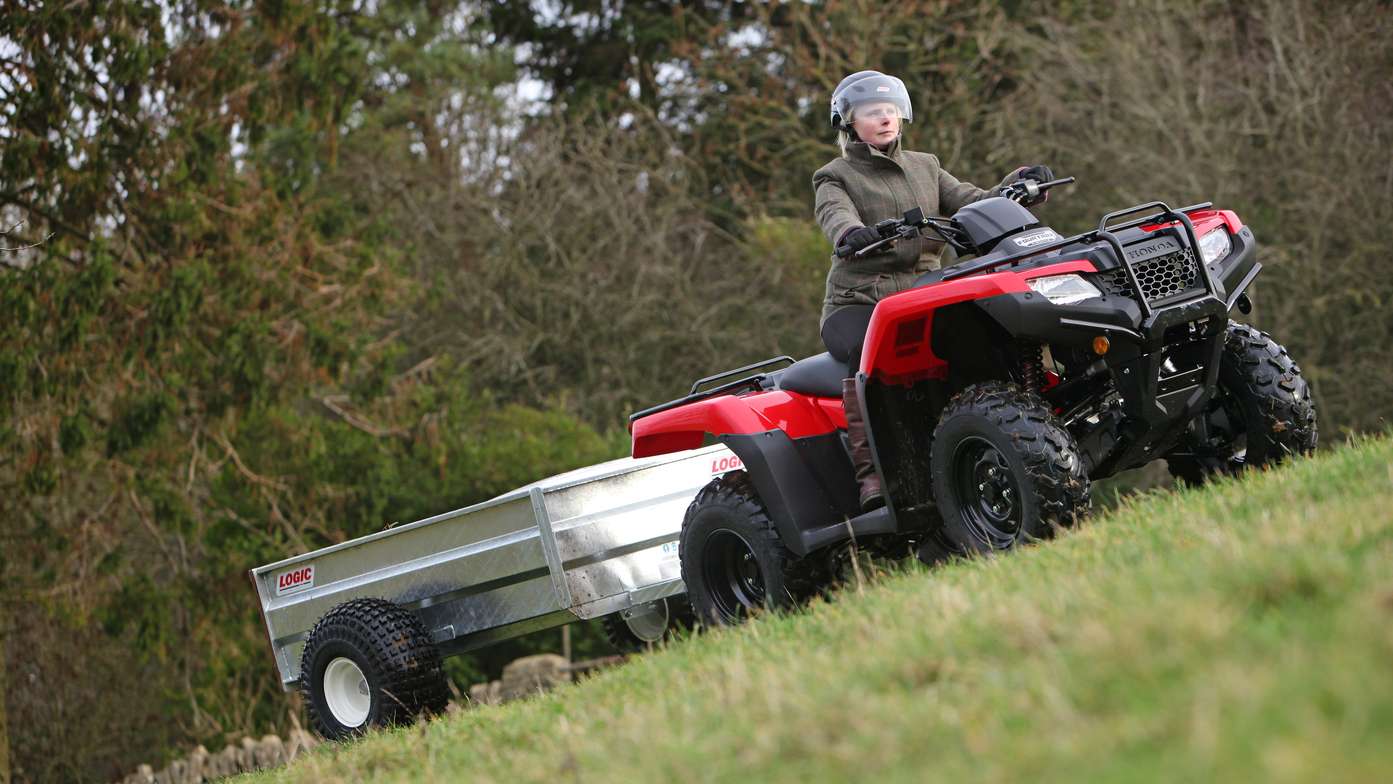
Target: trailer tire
733	562
369	663
1261	386
640	634
1005	471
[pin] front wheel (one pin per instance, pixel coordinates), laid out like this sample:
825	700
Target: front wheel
733	562
368	663
1260	414
1005	471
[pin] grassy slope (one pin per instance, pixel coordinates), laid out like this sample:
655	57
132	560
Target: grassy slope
1237	633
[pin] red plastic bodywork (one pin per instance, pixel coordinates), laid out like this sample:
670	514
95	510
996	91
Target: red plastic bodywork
898	350
680	428
800	415
1205	221
832	409
899	340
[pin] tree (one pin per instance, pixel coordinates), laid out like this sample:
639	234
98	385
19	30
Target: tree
4	728
609	54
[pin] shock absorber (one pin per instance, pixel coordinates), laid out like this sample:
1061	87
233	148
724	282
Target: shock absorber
1032	364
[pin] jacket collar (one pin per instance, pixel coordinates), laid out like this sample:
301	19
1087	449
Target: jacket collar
861	151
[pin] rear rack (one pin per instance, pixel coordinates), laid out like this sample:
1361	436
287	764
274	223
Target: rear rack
751	382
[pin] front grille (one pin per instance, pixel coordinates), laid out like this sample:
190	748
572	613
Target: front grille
1160	278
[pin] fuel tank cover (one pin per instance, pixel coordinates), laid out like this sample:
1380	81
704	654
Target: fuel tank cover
988	220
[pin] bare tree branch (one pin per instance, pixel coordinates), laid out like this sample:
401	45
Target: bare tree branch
331	402
35	244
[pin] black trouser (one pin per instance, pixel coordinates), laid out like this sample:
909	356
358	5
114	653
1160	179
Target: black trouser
844	332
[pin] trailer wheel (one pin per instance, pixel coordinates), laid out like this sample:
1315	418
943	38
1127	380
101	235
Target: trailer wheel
1261	413
1005	471
733	561
640	628
368	663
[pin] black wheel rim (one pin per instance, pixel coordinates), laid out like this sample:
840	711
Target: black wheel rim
988	494
732	574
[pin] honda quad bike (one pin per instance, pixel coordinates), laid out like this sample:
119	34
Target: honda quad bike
993	391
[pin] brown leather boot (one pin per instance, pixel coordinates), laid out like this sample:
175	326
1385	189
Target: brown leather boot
866	477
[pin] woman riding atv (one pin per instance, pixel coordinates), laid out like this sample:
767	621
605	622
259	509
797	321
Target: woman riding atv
875	179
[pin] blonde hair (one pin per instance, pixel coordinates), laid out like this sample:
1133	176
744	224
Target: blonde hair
843	139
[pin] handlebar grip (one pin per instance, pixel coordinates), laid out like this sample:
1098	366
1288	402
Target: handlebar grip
890	230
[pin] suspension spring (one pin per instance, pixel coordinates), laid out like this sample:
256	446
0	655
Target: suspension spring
1032	365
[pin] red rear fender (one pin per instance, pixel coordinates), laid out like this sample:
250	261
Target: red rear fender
685	427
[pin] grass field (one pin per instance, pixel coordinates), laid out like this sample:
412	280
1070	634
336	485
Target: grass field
1239	633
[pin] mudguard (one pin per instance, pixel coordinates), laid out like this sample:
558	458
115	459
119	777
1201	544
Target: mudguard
685	427
790	445
806	484
899	341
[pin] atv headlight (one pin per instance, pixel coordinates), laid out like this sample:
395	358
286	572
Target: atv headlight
1215	245
1064	289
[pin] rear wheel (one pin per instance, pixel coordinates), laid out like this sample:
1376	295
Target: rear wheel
1005	472
1261	412
368	663
733	561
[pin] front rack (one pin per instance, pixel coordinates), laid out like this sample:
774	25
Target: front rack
1109	235
1167	215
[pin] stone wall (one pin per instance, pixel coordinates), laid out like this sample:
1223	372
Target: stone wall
521	678
532	674
250	755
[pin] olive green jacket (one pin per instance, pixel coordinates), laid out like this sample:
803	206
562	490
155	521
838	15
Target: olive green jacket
869	186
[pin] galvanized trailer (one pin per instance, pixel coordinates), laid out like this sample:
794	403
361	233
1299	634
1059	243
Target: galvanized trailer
580	545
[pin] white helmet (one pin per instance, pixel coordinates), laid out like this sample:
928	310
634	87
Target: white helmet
865	87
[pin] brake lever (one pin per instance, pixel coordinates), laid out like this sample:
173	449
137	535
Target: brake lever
903	231
874	247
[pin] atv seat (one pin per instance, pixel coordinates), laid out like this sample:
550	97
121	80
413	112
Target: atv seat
819	375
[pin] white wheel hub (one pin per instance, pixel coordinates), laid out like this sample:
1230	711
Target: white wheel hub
346	692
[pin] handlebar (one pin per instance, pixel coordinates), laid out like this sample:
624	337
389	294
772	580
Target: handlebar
890	230
894	229
1022	190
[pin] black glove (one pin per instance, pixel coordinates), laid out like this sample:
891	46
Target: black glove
856	239
1039	173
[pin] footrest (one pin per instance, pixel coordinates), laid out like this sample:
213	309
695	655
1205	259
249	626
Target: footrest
876	521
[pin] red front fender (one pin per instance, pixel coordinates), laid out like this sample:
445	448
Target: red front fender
899	340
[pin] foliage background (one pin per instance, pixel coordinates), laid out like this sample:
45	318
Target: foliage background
314	267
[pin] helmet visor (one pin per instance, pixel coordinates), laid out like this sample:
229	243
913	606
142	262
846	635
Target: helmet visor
877	122
876	111
865	95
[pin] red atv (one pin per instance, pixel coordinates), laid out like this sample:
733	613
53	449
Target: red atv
993	391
